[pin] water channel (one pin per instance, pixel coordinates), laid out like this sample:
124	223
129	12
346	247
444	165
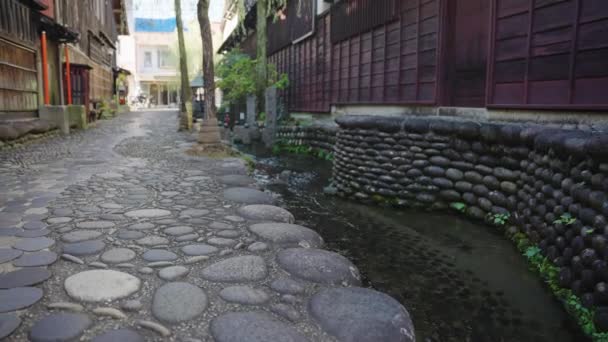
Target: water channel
459	280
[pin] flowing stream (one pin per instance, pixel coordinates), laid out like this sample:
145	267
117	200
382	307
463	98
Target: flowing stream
460	281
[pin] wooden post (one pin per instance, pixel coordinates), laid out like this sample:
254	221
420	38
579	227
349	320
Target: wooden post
68	75
45	70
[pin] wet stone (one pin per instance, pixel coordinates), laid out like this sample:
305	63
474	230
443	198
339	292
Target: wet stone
34	225
252	327
130	235
187	237
173	272
101	285
236	269
33	244
159	255
19	298
10	231
248	196
81	235
177	231
234	219
142	226
287	286
228	233
257	247
199	249
178	302
59	220
9	322
319	266
194	212
153	240
84	247
358	314
118	255
220	225
267	213
42	258
95	225
122	335
245	295
286	311
59	327
287	234
146	213
8	254
236	180
222	242
33	233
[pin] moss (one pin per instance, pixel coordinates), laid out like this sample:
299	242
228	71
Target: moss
286	147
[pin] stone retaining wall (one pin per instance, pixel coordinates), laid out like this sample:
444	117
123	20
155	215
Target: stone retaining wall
532	174
319	136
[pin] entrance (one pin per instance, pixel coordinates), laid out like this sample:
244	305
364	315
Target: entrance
467	35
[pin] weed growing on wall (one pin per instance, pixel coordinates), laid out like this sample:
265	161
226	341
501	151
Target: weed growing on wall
280	147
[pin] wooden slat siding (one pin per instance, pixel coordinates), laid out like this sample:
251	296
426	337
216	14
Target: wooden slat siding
558	62
353	17
16	23
18	78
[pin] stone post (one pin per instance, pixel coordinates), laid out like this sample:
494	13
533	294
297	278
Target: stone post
56	114
270	126
251	104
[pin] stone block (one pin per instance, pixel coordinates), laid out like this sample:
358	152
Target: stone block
78	116
57	115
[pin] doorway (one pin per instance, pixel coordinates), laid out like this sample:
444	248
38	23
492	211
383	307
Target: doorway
467	33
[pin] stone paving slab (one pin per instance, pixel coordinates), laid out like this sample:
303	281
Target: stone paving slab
157	245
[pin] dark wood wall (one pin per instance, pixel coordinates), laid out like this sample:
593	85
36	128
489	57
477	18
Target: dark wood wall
547	54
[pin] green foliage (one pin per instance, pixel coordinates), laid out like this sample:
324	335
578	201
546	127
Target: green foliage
238	76
566	219
262	117
550	273
280	147
459	206
498	219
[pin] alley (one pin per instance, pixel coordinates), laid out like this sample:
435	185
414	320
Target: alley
131	239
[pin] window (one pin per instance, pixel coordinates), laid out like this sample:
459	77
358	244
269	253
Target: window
148	59
164	59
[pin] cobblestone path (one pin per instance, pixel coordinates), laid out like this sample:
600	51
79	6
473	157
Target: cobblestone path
115	234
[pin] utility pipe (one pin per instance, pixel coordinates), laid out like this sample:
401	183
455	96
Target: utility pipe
68	75
45	71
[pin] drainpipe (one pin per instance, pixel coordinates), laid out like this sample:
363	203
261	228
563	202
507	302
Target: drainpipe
45	70
68	75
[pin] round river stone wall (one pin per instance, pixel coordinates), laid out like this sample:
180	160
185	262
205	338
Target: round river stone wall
537	175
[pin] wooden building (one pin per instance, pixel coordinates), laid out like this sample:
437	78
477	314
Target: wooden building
89	27
489	54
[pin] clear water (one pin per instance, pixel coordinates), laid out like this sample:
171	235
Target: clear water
459	280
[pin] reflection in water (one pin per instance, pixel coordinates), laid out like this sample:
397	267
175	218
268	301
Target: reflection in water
460	281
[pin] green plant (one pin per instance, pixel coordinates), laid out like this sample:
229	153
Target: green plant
238	77
566	219
550	274
499	219
459	206
262	117
282	146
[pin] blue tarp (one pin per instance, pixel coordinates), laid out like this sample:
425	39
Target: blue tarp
155	25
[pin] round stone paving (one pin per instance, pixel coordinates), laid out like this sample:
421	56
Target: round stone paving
59	327
42	258
95	224
143	213
119	335
252	327
81	235
142	226
32	233
154	255
236	269
358	314
176	231
19	298
244	295
24	277
319	266
152	240
118	255
9	322
101	285
178	302
236	180
173	272
84	247
8	254
266	213
33	244
287	234
130	235
248	196
199	249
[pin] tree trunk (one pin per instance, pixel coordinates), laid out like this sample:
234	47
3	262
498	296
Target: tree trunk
209	132
185	93
261	41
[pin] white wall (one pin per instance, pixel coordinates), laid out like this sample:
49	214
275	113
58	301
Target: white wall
322	6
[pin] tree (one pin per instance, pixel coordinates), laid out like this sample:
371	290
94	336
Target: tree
209	132
261	39
185	93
